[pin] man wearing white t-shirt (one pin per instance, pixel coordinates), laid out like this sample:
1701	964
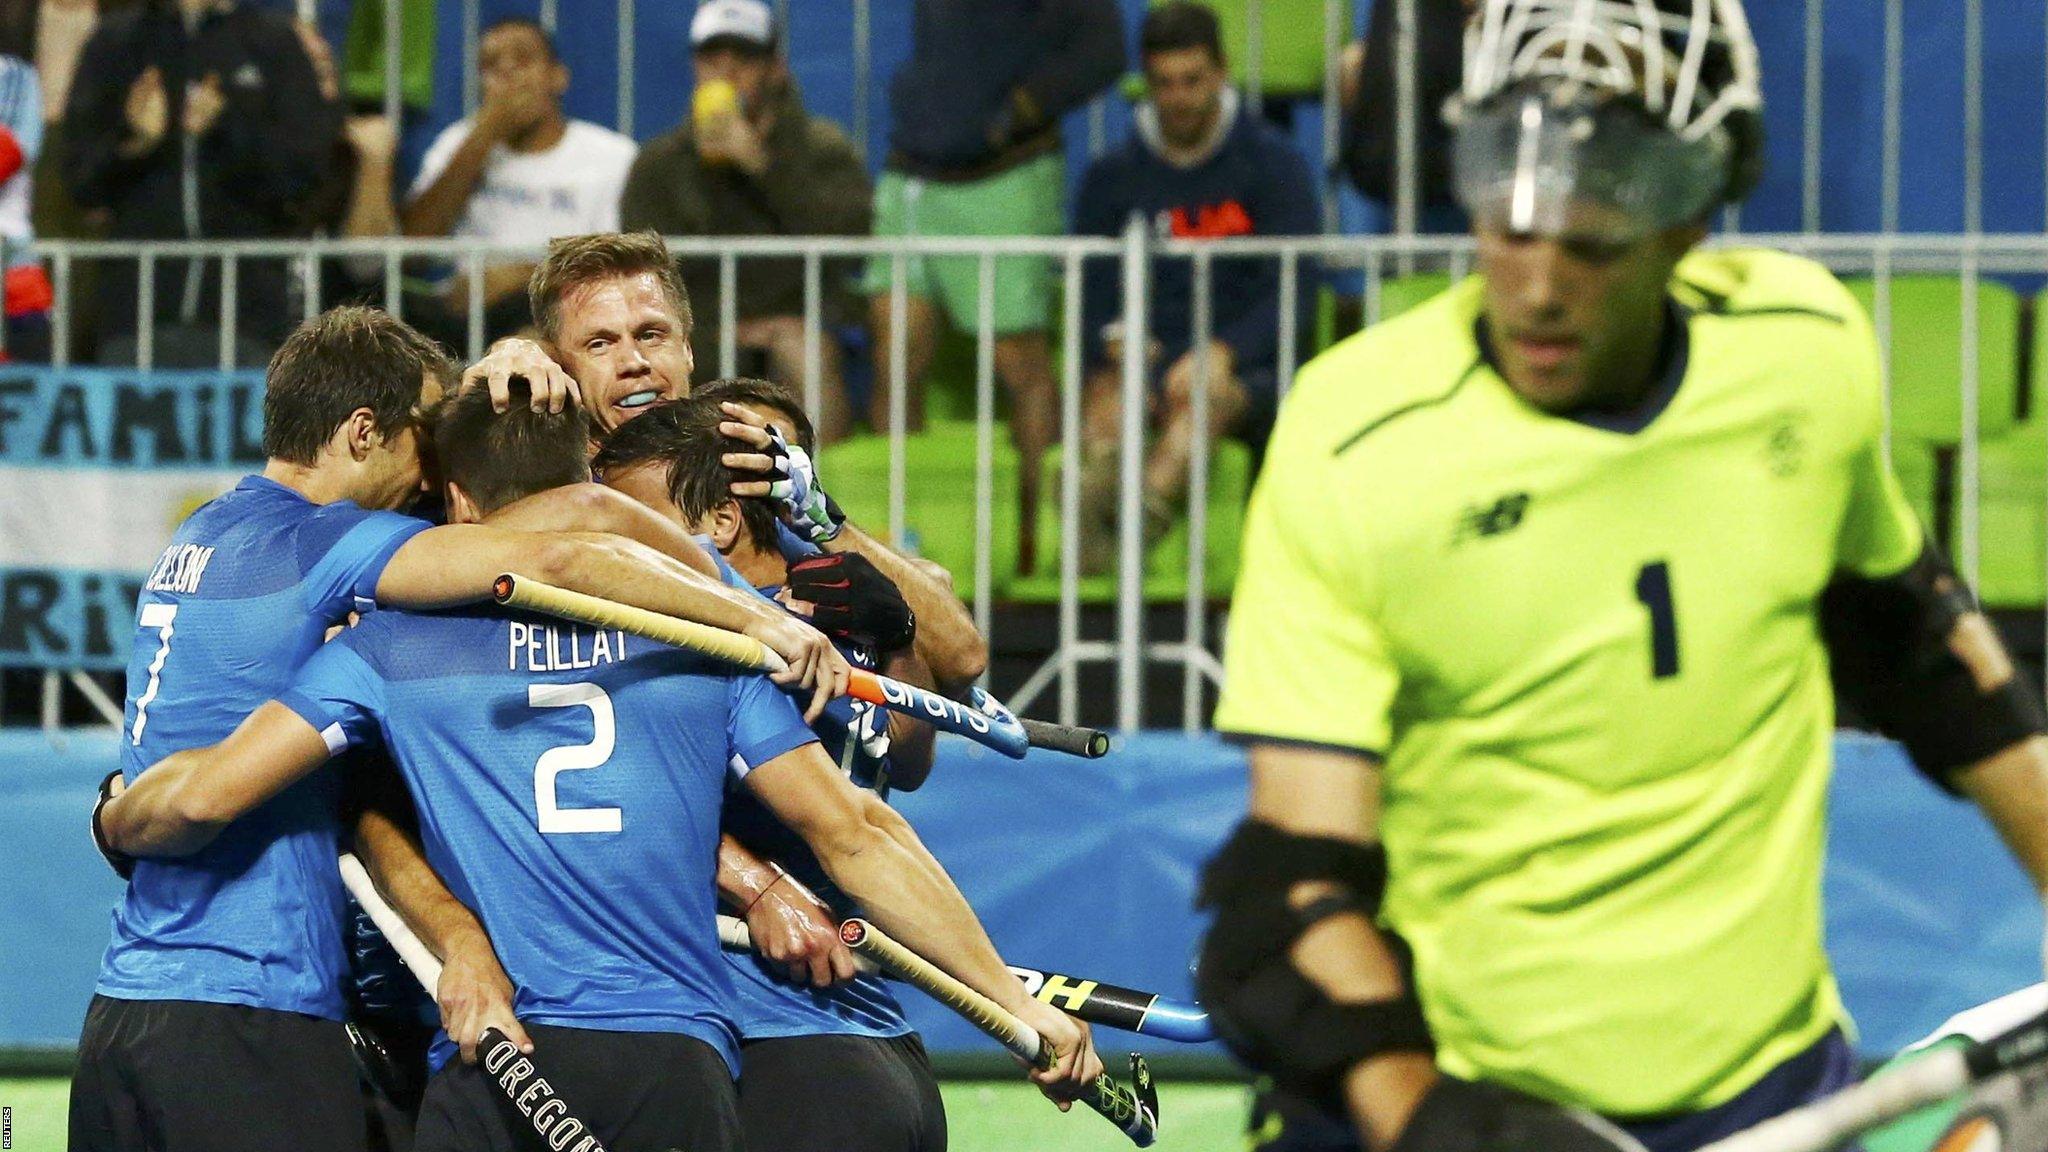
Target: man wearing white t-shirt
519	171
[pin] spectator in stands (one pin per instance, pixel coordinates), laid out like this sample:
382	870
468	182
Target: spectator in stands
520	172
356	199
27	286
750	161
194	119
974	150
51	34
1370	150
1197	166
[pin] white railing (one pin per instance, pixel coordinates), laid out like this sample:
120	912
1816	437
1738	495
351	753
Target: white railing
1127	647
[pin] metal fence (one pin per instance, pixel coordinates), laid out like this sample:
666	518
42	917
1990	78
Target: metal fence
1968	259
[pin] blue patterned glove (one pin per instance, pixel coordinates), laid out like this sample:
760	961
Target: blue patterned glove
806	507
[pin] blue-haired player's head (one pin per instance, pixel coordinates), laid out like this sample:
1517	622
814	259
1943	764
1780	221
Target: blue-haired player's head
345	403
1594	140
490	459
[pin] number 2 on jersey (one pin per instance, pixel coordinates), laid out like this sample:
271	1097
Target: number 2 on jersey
550	816
1653	588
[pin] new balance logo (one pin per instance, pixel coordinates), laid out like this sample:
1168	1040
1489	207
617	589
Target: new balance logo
1483	520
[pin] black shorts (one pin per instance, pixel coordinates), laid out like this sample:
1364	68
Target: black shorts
638	1091
183	1076
840	1093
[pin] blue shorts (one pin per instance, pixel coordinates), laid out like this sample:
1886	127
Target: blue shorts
1827	1067
1284	1123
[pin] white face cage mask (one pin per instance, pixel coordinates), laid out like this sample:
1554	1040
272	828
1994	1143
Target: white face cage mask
1605	118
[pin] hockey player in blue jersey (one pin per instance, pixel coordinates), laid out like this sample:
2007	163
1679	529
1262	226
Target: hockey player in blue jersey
839	1065
222	959
569	782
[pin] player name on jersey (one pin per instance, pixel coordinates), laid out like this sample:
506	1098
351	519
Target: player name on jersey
561	647
179	569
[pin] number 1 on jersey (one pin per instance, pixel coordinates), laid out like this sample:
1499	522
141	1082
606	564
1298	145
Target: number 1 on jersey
1653	588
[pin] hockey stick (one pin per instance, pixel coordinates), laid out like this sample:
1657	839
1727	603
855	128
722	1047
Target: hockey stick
1087	743
521	1080
1134	1110
1126	1009
1942	1073
999	731
1146	1013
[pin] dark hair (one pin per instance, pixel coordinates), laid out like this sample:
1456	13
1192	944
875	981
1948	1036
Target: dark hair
573	261
683	437
756	393
1180	24
344	359
547	38
498	458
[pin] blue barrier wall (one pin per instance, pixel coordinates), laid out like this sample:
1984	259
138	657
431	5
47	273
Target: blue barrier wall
1088	867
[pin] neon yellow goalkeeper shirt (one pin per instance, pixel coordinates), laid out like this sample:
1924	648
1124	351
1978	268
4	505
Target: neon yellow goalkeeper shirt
1589	660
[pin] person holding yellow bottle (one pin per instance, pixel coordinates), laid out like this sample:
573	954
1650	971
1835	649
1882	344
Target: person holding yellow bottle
750	161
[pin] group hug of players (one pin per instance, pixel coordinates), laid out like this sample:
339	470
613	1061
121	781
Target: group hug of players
576	801
1544	586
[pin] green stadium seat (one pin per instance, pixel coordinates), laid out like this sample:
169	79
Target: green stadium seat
1291	37
362	54
1926	361
1166	568
1915	465
1400	293
2012	517
939	496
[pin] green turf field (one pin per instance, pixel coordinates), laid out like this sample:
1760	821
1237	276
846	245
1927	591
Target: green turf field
38	1111
984	1116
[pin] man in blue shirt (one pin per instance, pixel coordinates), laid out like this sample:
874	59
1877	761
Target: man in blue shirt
569	782
221	960
1198	166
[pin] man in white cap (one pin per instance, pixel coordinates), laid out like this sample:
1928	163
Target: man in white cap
750	161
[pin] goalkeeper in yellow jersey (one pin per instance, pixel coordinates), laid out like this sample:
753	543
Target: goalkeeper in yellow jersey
1543	584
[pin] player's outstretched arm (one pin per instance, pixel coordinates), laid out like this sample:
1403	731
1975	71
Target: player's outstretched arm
946	636
1915	656
874	855
1306	988
1303	797
474	994
596	508
789	925
459	564
178	805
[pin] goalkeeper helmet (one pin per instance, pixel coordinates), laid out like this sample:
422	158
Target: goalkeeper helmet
1608	119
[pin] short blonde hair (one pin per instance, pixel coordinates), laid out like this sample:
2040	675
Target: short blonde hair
574	261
